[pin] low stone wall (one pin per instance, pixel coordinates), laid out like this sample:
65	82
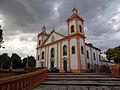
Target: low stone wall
4	74
115	70
23	82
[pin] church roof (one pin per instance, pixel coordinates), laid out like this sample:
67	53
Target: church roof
90	45
53	31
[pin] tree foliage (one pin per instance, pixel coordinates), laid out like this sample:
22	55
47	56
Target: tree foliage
1	31
114	54
4	61
17	62
31	61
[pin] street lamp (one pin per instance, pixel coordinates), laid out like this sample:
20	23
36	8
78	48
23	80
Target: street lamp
1	64
27	62
11	63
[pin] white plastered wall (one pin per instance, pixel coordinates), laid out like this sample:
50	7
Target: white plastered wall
55	56
91	57
38	61
59	55
66	56
83	62
56	36
80	23
70	24
88	59
42	50
73	57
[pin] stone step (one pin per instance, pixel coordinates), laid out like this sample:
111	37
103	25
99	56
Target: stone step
75	87
78	76
73	74
83	83
83	79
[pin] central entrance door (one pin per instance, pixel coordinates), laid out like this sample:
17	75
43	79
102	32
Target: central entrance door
65	65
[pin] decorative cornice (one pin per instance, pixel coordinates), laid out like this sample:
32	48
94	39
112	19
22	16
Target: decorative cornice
41	34
92	46
67	37
74	17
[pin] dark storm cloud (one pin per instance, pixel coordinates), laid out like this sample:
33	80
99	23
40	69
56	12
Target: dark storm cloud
28	16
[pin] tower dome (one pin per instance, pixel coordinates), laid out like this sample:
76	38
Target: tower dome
43	29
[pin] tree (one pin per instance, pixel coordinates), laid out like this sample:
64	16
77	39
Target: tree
16	60
114	54
31	61
1	38
5	61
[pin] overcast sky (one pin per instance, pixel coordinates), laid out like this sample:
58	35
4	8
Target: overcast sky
22	20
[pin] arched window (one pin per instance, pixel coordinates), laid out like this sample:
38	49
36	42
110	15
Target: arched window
82	51
73	49
80	28
87	54
42	64
52	52
43	55
39	42
38	57
99	57
64	50
94	56
88	66
72	28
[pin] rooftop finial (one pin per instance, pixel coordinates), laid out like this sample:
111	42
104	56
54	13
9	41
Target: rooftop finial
44	29
74	11
53	27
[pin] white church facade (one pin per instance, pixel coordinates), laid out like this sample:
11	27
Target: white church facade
68	53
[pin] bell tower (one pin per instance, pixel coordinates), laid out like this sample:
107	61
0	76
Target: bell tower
42	36
75	24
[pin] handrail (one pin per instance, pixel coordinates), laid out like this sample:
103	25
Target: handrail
24	81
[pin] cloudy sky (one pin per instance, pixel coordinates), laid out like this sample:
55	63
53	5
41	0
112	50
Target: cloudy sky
22	20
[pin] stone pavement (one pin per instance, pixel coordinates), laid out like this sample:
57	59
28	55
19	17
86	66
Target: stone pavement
75	87
79	81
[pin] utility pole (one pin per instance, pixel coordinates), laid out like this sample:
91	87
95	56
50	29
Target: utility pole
1	64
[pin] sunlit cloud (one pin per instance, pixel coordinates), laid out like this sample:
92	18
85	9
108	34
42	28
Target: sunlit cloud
22	44
1	20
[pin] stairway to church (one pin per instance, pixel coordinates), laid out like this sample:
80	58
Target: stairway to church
79	81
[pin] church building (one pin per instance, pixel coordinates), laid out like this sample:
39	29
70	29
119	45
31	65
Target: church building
68	53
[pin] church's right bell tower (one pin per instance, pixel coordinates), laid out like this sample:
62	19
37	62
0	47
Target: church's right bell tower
75	24
76	30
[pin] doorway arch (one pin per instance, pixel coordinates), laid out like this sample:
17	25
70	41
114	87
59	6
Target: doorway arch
88	66
65	65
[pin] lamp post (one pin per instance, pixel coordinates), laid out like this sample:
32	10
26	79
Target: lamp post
11	65
27	62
